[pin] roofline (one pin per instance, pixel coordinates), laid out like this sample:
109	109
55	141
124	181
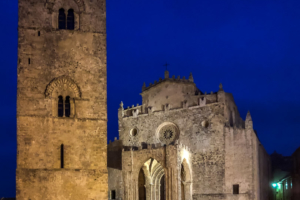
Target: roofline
172	80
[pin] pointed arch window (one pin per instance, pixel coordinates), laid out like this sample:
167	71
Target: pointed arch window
60	106
70	19
62	19
67	107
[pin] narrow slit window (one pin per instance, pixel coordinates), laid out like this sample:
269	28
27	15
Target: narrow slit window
62	156
62	19
29	61
39	33
67	107
70	19
113	194
60	106
236	189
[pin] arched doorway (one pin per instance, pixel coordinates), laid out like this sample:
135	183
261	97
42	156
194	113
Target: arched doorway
152	176
141	185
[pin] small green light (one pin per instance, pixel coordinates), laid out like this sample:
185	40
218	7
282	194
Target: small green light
274	185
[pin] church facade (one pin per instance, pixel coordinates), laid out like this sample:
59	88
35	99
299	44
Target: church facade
180	144
183	144
61	100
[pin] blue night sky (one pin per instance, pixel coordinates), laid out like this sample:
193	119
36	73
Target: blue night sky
251	46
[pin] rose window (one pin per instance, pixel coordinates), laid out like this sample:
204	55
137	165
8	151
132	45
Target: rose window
168	133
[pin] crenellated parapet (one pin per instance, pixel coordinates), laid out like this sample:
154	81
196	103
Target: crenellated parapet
167	78
199	100
144	145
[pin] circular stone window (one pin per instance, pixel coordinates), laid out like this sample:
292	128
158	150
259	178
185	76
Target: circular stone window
168	133
133	132
205	124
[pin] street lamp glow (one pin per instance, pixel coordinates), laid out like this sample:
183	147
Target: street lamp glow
274	185
278	185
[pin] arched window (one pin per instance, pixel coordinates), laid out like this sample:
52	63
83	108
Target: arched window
67	107
61	156
60	106
62	19
70	19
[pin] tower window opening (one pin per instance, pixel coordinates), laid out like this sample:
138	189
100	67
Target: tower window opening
113	194
39	33
60	106
61	156
70	19
67	107
62	19
236	189
29	61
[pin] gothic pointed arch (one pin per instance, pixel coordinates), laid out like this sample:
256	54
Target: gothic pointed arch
154	181
62	83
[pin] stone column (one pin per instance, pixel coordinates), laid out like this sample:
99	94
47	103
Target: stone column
54	106
187	191
153	190
148	191
72	107
157	193
64	101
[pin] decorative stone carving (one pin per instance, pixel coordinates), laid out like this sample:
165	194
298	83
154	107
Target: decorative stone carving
168	133
80	4
50	3
62	82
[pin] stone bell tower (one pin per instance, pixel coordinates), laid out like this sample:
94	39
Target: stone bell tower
61	100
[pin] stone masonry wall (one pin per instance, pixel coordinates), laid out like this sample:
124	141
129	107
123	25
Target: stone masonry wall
53	62
40	139
173	93
61	184
115	182
239	162
205	143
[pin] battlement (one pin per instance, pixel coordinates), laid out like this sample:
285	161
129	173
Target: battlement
199	100
153	146
167	78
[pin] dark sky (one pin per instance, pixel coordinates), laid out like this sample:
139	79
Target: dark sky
251	46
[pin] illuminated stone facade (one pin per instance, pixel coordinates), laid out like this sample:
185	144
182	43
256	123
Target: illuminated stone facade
183	144
61	100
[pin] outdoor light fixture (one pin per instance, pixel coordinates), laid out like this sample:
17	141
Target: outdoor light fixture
274	185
